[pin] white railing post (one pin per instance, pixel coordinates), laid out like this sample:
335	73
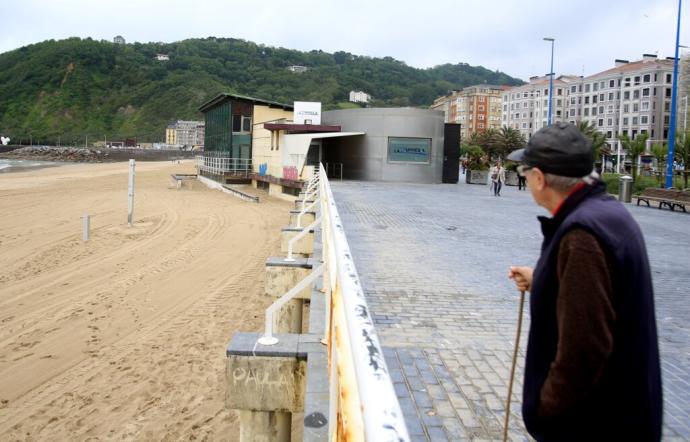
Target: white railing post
299	236
268	338
299	216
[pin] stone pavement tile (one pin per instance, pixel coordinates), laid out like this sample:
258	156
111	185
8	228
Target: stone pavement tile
445	309
436	434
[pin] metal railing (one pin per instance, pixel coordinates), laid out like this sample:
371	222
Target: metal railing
363	403
222	165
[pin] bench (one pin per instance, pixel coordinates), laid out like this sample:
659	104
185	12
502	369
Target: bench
671	198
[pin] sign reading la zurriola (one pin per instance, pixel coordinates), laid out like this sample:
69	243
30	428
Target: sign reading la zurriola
409	150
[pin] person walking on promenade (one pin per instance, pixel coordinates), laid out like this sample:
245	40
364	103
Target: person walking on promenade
498	177
522	182
592	364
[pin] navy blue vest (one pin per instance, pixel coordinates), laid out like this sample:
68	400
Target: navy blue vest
627	402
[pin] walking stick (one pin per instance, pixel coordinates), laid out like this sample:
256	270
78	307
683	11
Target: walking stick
512	369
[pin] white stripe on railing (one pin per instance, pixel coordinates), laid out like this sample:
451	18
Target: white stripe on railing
369	398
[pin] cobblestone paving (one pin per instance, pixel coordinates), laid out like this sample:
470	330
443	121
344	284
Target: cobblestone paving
433	260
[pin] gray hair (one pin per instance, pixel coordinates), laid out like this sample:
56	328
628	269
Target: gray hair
565	183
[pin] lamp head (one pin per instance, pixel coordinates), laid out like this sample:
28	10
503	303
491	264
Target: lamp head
549	39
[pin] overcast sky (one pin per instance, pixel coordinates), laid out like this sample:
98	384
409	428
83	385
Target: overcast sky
501	34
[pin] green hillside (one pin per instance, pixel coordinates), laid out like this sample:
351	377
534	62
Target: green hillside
81	87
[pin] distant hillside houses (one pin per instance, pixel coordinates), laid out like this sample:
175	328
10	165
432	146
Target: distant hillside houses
359	97
162	57
297	68
119	40
182	133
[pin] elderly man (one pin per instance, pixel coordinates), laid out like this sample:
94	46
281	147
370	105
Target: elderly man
592	366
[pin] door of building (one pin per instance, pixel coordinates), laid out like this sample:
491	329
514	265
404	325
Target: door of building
451	153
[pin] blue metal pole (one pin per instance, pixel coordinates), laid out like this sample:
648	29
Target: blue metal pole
551	84
672	128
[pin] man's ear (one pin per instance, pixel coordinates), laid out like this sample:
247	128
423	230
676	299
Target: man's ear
539	178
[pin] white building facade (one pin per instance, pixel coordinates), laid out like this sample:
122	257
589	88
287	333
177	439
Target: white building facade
631	98
359	97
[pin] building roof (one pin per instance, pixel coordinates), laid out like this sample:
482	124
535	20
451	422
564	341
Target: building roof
220	98
635	66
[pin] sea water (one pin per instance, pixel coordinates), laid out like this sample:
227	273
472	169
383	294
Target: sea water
7	166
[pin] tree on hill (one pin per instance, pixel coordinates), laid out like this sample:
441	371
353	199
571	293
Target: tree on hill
77	87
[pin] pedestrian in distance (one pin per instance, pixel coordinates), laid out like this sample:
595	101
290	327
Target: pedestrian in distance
497	175
592	363
522	182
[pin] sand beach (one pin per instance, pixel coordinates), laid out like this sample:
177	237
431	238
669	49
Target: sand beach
123	336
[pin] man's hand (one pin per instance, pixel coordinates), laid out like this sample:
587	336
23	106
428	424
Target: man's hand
522	277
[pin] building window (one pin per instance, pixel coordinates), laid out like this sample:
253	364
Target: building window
572	100
246	124
609	134
637	80
573	89
610	96
612	83
666	119
636	107
668	80
626	108
645	92
646	78
587	87
668	92
625	121
560	91
609	122
594	111
587	100
237	123
601	109
626	95
594	99
636	94
601	122
572	112
595	86
634	120
586	113
645	105
644	119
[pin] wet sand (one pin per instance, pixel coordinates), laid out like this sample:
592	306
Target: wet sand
123	337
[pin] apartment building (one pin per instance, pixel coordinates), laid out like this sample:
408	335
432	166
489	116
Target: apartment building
475	108
359	97
631	98
185	133
526	107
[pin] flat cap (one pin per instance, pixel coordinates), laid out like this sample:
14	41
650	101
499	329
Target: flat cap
560	149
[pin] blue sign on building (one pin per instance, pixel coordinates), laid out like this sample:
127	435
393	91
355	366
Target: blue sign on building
409	150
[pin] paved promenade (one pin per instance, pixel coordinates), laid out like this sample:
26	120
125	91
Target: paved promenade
433	260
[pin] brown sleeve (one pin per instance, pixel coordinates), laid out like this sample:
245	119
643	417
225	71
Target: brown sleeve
585	315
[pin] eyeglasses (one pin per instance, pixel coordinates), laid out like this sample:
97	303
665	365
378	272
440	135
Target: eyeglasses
521	169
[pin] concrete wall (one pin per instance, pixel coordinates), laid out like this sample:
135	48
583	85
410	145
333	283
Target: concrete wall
366	157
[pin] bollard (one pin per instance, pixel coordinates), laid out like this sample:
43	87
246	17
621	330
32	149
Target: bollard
130	193
86	222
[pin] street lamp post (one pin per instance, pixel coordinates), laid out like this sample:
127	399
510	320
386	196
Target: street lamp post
672	128
550	80
685	110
